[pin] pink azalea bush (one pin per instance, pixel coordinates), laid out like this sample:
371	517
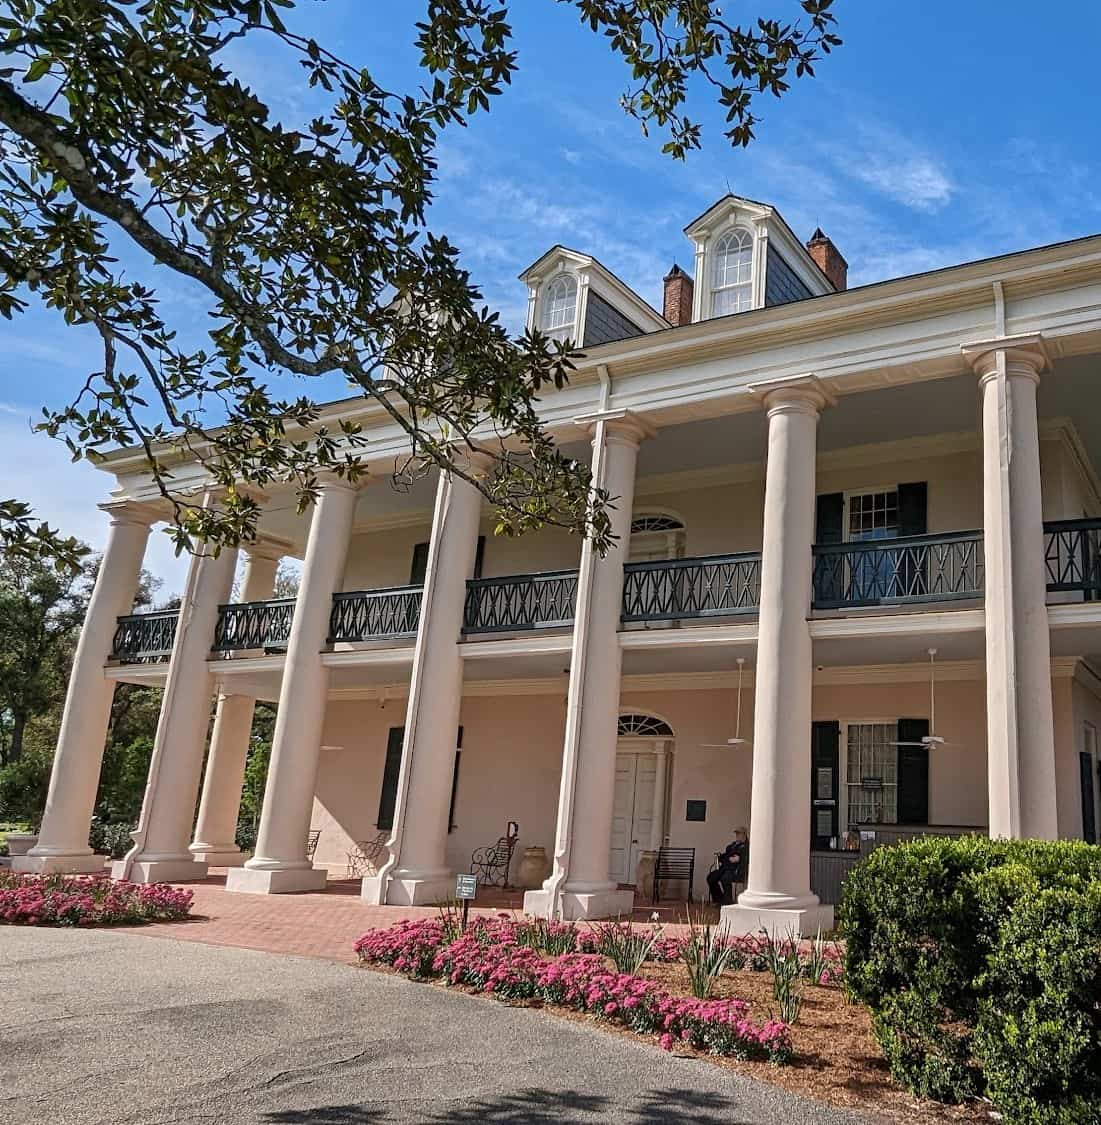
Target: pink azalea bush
87	900
492	957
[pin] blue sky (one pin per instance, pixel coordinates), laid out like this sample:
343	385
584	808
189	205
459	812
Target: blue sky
938	133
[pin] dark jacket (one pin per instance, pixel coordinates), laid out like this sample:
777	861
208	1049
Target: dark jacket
733	859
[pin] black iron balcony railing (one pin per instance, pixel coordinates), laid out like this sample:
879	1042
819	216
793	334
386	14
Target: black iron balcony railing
679	589
1072	556
253	625
520	601
914	568
145	638
365	615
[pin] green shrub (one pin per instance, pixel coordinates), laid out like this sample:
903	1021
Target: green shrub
981	963
23	788
112	840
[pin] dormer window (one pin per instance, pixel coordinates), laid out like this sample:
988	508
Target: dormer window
560	307
732	273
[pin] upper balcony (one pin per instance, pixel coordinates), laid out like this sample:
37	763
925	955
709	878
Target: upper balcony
914	571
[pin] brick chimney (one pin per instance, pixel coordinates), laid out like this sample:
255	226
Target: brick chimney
678	297
828	257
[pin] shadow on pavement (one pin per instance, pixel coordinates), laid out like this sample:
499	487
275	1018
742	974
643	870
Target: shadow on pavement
539	1107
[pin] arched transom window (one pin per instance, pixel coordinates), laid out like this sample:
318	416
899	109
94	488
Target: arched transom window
657	521
643	726
560	306
732	273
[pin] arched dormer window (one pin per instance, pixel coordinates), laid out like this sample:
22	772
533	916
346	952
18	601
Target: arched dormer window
732	273
560	307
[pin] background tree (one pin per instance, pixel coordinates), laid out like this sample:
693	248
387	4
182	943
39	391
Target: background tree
41	609
310	246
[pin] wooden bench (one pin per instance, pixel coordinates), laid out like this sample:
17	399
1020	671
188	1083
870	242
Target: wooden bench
677	864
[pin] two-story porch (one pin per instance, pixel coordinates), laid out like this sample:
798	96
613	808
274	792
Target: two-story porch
897	568
931	486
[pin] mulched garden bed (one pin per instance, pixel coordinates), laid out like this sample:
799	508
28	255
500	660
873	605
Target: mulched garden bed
835	1058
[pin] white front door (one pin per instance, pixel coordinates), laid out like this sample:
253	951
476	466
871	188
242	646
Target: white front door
632	812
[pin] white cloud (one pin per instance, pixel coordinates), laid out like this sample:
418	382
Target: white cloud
893	166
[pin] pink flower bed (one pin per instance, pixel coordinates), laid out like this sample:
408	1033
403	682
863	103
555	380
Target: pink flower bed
488	957
87	900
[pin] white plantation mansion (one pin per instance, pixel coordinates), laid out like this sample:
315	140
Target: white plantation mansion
816	487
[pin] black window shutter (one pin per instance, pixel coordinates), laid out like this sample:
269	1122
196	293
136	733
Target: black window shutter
829	518
829	527
420	565
913	508
390	773
913	773
1089	809
455	782
479	558
824	754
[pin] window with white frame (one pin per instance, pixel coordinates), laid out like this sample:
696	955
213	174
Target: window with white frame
560	307
873	515
732	273
871	773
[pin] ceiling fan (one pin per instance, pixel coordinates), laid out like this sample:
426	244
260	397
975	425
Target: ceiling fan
931	740
737	740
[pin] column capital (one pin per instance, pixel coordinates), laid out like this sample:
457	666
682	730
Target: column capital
329	481
623	424
793	394
1024	355
142	513
270	547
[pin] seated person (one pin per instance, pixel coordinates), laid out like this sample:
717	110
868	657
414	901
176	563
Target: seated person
731	869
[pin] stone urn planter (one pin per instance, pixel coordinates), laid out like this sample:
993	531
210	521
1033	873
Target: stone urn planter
19	843
535	866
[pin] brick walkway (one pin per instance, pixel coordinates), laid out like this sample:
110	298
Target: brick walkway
324	924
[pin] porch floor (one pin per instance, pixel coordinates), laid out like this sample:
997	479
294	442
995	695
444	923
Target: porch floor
326	924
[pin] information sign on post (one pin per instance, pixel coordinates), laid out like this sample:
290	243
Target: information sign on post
466	888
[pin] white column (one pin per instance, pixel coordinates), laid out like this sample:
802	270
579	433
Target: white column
657	822
63	838
280	864
417	870
1020	727
216	826
580	884
160	852
778	896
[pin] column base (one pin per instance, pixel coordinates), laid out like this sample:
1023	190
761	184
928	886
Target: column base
174	870
777	922
408	890
278	881
580	906
219	855
59	864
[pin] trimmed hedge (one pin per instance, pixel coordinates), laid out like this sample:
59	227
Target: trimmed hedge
981	963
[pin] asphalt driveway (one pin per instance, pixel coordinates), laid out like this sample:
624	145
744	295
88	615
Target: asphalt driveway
107	1027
